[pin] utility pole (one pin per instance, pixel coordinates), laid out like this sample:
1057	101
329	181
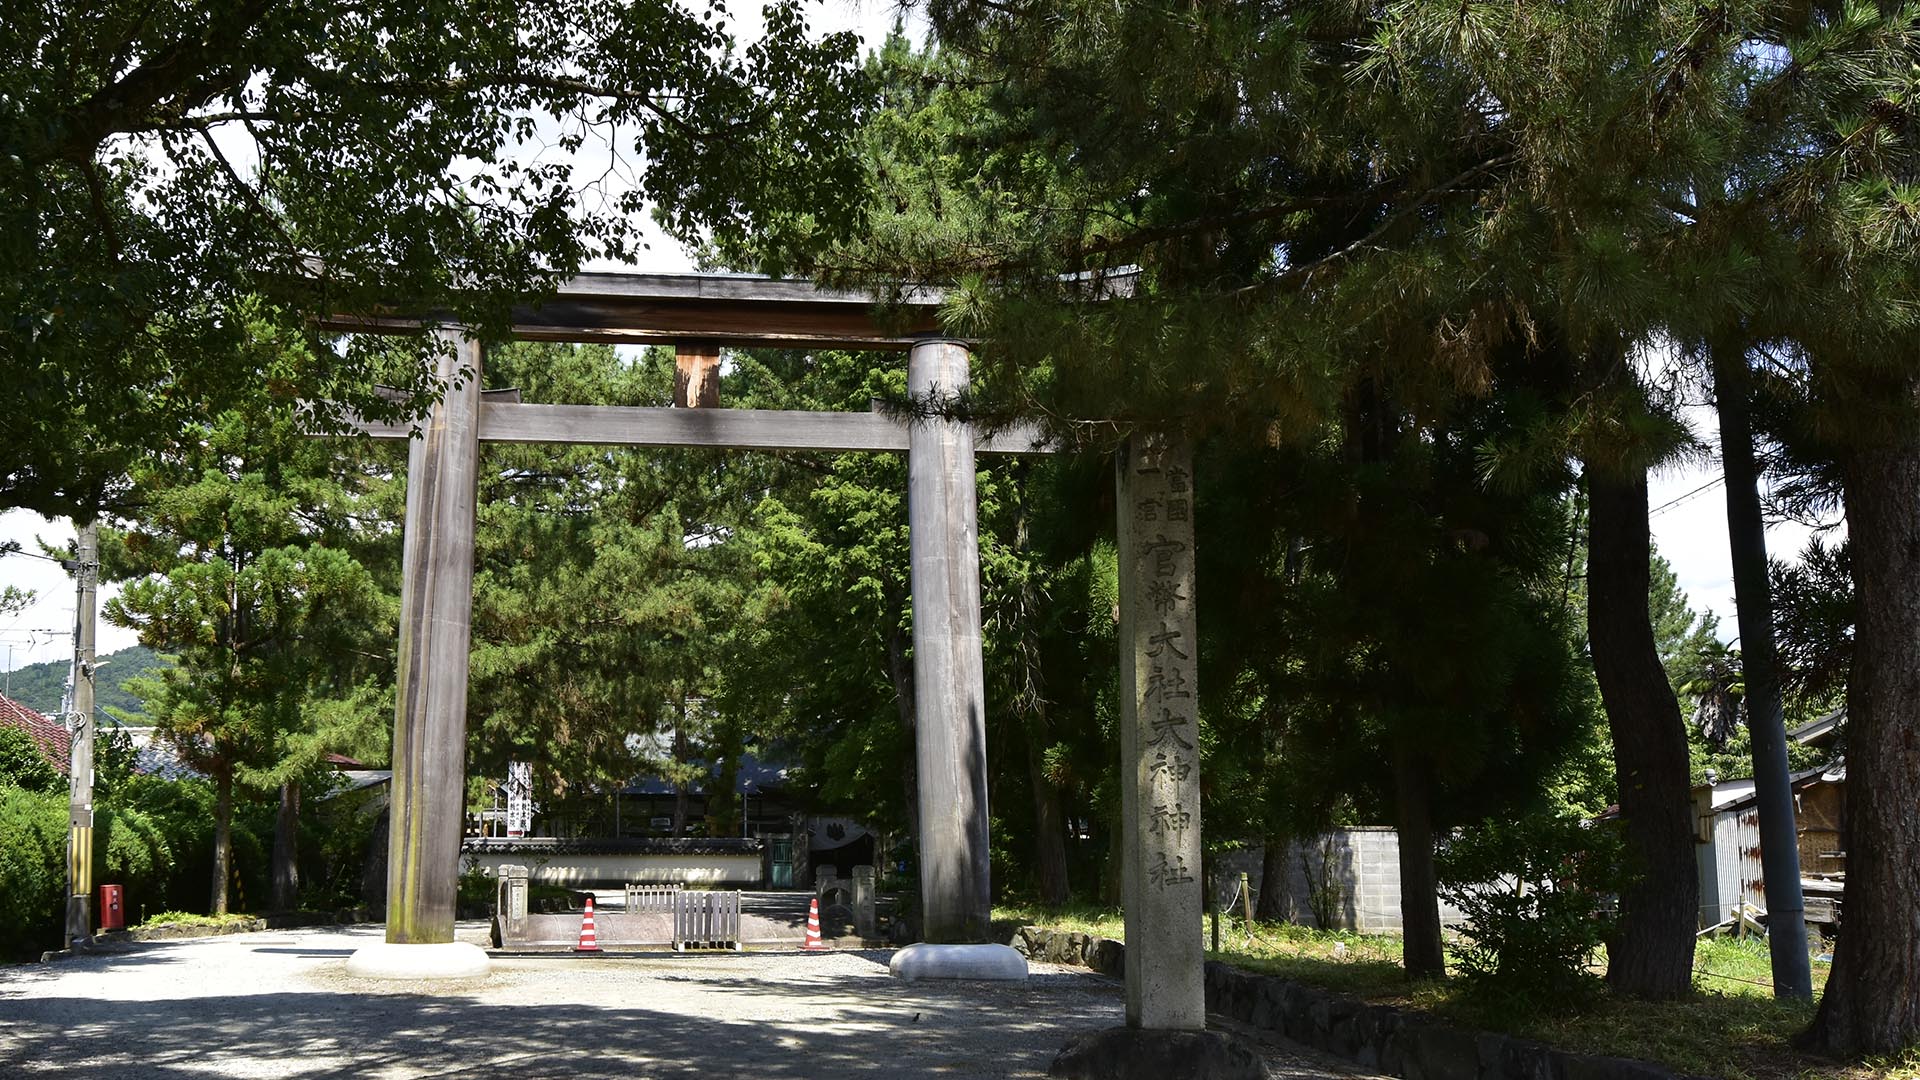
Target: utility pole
1753	599
86	572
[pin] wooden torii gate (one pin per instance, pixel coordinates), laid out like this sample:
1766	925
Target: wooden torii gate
698	314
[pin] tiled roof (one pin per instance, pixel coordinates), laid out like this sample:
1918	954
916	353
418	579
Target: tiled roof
49	735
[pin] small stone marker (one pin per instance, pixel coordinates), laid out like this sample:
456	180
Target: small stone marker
512	903
866	921
1159	736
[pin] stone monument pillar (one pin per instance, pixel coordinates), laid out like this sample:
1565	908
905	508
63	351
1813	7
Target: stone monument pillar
1159	737
430	722
1162	884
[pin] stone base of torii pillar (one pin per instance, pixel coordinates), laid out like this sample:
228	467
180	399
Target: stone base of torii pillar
998	963
442	960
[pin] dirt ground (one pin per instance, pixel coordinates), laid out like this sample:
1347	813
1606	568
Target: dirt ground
280	1004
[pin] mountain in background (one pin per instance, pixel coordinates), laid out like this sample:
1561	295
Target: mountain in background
42	686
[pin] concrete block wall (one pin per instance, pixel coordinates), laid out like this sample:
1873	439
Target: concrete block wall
1362	863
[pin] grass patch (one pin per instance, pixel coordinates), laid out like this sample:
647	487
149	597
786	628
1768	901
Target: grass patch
1731	1027
188	918
1357	965
1104	922
1738	966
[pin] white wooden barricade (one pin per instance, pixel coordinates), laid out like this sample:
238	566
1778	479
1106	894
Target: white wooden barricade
706	920
641	898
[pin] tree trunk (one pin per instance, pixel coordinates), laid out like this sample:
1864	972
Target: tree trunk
725	816
1766	722
900	673
680	786
222	834
1421	949
286	849
1872	1001
1271	903
1651	956
1049	824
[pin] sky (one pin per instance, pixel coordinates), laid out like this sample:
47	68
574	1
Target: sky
1689	520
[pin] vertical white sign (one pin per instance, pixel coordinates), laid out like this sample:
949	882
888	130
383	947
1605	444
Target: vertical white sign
519	798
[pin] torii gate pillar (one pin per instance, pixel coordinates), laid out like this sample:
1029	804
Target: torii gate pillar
950	735
428	797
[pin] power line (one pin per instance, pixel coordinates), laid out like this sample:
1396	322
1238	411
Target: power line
31	555
1678	499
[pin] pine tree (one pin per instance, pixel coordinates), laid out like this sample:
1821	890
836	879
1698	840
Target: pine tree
242	563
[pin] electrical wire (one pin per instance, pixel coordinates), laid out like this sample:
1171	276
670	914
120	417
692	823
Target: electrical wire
31	555
1678	499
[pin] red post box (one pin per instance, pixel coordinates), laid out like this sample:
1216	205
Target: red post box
113	914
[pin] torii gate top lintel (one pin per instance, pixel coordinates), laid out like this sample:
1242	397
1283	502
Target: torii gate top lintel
737	310
699	313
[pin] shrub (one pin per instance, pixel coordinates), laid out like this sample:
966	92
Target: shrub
1533	892
23	766
33	871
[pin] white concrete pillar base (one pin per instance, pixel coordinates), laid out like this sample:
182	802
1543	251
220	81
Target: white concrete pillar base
993	962
448	960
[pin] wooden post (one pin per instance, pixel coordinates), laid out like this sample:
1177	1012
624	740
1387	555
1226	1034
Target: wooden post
696	376
950	738
436	604
1159	736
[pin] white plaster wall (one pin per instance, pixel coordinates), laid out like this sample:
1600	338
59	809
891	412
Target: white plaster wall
579	870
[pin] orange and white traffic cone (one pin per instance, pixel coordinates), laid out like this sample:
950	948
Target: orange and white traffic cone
813	926
587	944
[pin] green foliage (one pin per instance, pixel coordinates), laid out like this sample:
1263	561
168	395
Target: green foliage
1813	606
13	599
1533	891
22	765
162	174
248	561
187	918
131	848
33	861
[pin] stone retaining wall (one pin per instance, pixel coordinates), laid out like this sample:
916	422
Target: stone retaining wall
289	921
1393	1041
120	940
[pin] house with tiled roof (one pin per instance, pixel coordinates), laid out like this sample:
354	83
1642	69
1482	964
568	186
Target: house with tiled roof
49	735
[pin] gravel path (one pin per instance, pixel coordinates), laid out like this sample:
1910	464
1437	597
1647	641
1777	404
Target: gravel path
280	1004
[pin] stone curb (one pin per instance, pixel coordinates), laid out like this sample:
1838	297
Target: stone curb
1393	1041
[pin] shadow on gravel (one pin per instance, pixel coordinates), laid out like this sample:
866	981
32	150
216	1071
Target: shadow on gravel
408	1035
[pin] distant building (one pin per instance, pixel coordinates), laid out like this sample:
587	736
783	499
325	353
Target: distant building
1727	835
49	735
609	836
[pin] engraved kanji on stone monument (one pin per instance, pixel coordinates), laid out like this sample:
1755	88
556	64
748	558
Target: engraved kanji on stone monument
1160	754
